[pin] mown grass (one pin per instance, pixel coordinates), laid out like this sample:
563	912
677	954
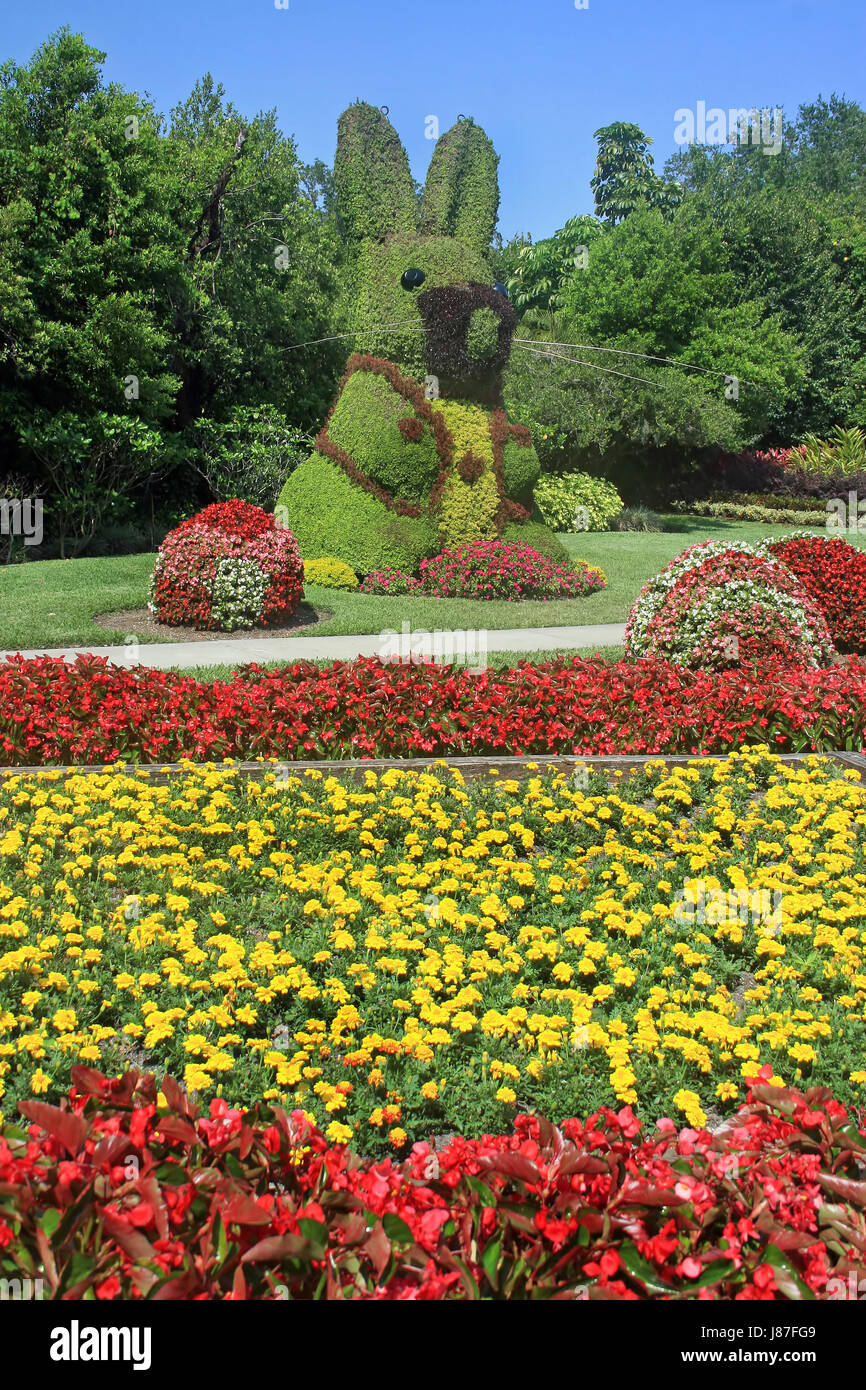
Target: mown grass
495	661
52	603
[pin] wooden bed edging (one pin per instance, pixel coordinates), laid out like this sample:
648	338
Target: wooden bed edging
471	768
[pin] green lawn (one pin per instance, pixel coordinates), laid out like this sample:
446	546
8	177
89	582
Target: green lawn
495	660
51	603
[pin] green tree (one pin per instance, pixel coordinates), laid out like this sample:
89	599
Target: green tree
150	275
540	270
624	177
257	271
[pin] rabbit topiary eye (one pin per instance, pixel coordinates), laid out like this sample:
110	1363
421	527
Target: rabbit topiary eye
413	278
500	288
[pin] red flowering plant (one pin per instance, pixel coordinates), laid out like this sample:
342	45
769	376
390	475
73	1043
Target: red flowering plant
88	711
833	572
229	566
492	569
719	605
127	1191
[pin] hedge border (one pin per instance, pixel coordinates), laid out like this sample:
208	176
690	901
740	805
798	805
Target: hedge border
472	768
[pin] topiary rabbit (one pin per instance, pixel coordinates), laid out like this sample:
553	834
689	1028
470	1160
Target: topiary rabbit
417	453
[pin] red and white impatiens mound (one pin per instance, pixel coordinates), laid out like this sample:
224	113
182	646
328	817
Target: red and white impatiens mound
720	605
229	566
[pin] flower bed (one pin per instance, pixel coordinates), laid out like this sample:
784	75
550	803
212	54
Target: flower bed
834	574
411	956
491	570
718	605
230	566
90	712
173	1204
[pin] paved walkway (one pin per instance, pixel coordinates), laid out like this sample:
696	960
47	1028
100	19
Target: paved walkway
164	655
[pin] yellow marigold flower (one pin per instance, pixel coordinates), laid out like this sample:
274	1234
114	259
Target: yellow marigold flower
430	1091
196	1078
506	1095
398	1137
690	1104
338	1133
39	1082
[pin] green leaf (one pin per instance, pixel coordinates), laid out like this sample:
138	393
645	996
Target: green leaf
641	1270
396	1228
314	1230
787	1278
49	1221
483	1191
490	1260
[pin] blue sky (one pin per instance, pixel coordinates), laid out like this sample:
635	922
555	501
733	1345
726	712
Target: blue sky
539	75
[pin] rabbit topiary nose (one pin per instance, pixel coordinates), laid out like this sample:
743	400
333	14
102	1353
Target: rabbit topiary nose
467	330
482	335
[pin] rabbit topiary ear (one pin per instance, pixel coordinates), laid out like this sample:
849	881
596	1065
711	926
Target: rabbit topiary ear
461	195
375	191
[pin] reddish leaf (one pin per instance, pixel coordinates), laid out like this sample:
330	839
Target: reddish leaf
279	1248
511	1166
68	1129
176	1097
132	1242
849	1188
378	1247
243	1211
650	1196
177	1128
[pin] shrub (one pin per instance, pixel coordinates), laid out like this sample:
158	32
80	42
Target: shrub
391	582
330	574
468	511
577	502
638	519
250	455
719	605
373	423
330	515
833	572
260	1204
748	511
520	469
492	570
540	538
842	453
228	567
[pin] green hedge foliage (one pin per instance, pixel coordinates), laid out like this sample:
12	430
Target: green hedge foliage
386	315
742	511
540	537
366	423
520	469
330	515
375	191
461	195
468	511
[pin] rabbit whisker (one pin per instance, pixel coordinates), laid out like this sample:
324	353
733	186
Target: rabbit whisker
549	356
